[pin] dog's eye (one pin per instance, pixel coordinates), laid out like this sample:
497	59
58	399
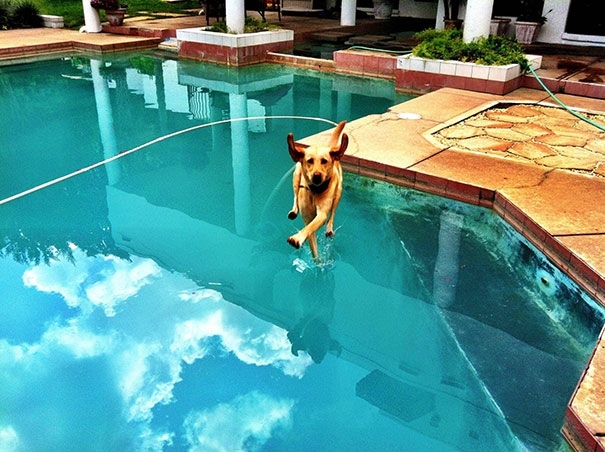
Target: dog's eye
310	161
324	161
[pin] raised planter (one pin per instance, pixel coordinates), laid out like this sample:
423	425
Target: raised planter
368	63
423	75
232	49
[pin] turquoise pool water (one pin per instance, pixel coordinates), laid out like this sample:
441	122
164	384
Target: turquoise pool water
153	304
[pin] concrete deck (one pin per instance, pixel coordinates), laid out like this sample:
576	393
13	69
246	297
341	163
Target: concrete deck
35	41
557	205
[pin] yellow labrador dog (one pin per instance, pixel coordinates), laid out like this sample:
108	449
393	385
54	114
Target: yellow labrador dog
317	184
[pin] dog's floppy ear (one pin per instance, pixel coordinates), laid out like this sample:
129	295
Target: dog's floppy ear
333	144
296	150
338	151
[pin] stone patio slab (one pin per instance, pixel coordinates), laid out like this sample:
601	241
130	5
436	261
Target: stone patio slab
564	203
485	171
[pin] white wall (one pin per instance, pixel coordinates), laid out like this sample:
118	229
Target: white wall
421	10
552	31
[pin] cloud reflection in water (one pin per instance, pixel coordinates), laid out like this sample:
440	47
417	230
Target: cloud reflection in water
101	372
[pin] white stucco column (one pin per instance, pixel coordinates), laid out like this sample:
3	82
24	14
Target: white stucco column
347	13
477	19
235	14
440	14
92	21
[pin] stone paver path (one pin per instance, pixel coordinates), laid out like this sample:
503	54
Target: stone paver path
547	136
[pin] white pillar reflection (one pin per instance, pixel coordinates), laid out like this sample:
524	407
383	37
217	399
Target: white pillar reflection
325	98
238	104
343	107
160	94
347	14
445	277
105	119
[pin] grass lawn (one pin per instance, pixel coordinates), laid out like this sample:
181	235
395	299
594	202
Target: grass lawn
72	13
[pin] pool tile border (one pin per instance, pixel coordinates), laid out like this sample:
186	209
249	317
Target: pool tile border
133	30
366	63
577	434
592	90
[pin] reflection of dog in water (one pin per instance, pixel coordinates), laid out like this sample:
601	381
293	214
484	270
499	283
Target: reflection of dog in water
311	333
317	184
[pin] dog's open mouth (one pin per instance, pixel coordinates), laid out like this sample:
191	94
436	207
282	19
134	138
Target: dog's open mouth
319	187
316	179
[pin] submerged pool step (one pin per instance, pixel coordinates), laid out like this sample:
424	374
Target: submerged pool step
169	45
332	36
393	396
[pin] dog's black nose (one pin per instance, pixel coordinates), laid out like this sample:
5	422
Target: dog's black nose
316	179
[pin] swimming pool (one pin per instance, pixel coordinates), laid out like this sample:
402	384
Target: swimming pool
152	303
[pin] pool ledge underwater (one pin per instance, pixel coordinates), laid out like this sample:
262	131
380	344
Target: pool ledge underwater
558	209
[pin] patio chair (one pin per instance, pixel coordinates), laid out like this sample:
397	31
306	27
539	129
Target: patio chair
213	8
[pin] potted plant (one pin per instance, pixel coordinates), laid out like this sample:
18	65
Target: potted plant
383	9
451	8
529	21
499	26
114	10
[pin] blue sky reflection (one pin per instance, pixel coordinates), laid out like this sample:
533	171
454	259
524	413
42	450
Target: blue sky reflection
106	365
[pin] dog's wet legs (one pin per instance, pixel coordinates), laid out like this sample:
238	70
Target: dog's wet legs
312	239
296	178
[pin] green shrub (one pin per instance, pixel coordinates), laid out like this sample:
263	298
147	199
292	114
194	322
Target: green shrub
219	27
251	25
19	14
143	64
26	15
448	45
4	14
439	45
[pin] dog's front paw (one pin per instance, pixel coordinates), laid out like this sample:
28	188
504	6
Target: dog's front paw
292	214
329	231
294	242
